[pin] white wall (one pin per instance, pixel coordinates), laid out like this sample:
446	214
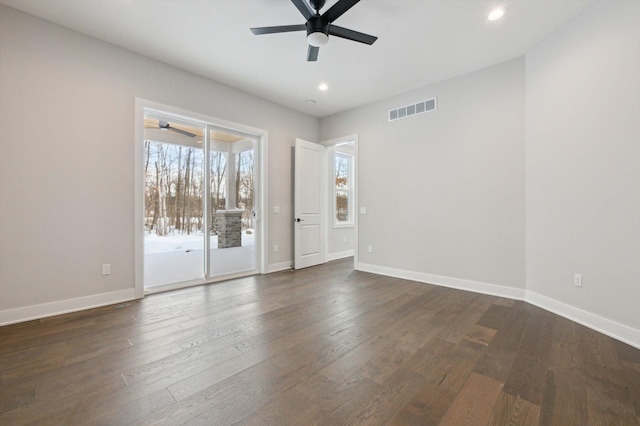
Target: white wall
67	160
583	165
444	191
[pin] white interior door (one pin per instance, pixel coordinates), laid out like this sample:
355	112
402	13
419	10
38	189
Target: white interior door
309	208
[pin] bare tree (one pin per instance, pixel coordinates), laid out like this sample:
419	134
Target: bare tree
179	220
162	223
217	175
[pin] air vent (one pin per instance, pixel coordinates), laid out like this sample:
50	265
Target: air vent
411	110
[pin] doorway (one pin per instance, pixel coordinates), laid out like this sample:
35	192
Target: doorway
201	196
325	201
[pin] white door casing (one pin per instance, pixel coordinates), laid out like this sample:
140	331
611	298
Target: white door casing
309	209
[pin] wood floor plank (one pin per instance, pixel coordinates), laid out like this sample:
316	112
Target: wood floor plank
632	378
497	361
233	410
452	367
254	420
426	407
11	399
511	410
292	406
527	376
402	385
383	354
494	317
460	325
480	335
127	412
34	368
193	360
474	403
75	378
626	352
183	411
563	401
340	400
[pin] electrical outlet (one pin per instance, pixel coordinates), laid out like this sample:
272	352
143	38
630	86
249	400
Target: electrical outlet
363	210
369	249
275	247
106	269
276	210
345	239
577	280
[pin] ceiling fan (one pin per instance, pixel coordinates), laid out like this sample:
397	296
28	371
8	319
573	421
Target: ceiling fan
164	125
318	26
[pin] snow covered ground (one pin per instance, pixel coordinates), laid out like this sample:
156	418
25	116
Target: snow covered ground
180	257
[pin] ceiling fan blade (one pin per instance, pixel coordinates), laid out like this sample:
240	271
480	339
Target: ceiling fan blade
351	35
312	53
184	132
304	8
338	9
278	29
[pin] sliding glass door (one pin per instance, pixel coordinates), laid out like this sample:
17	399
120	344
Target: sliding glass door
232	236
173	176
199	202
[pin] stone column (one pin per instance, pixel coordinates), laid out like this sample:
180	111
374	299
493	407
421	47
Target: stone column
229	228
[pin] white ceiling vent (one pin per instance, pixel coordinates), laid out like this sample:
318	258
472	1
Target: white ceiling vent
413	109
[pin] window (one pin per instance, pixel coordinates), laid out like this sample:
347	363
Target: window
343	189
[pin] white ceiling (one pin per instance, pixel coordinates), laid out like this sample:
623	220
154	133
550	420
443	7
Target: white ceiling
420	42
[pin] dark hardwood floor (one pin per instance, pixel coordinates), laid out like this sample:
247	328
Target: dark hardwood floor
325	345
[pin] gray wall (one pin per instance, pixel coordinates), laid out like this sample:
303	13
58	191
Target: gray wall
583	164
67	157
444	191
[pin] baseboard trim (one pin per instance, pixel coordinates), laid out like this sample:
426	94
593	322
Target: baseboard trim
277	267
44	310
595	322
340	255
457	283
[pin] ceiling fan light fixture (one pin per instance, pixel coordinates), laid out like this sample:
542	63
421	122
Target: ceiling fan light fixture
317	39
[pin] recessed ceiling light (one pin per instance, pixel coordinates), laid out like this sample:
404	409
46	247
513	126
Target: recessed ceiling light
323	87
496	14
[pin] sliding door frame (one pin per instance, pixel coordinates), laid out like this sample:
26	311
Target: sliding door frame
143	106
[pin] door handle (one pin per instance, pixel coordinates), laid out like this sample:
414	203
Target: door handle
299	220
